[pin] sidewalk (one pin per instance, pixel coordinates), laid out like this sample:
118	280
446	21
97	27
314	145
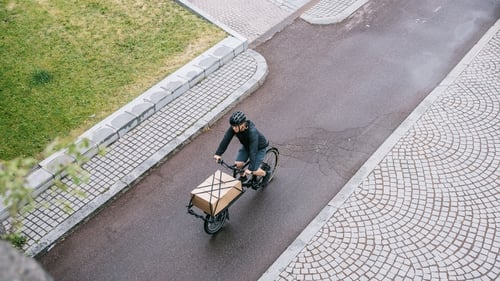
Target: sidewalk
426	205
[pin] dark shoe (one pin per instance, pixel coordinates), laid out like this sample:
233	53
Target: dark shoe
265	179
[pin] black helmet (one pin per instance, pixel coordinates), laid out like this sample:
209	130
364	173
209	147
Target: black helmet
237	118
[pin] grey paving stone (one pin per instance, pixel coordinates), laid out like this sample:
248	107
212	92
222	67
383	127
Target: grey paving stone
250	19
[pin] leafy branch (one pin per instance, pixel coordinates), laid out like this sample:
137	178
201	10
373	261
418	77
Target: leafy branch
18	196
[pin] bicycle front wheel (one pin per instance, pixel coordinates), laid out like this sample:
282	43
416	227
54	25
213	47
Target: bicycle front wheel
271	159
213	225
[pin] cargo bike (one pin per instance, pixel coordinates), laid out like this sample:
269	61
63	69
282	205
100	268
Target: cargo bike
217	193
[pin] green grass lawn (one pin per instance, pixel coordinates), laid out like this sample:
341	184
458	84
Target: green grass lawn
65	64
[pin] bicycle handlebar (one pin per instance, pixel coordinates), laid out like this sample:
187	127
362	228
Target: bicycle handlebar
223	163
232	167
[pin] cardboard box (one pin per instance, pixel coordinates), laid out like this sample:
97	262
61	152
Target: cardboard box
216	192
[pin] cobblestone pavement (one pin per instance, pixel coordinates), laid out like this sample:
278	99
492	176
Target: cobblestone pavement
239	15
426	205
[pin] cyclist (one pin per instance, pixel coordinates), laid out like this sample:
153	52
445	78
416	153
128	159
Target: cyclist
253	145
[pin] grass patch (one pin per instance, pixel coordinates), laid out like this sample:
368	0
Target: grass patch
40	77
65	64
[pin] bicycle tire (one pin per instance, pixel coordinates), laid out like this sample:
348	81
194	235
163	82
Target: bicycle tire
272	159
212	225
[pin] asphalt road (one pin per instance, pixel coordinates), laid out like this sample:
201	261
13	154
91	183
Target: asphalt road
333	94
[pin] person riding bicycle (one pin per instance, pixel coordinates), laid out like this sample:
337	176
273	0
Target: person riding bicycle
253	145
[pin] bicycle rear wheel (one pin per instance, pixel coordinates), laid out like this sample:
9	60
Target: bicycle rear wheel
271	159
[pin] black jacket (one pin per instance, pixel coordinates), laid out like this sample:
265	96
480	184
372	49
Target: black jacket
251	139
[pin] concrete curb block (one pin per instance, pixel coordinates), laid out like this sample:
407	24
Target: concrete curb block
323	217
159	157
312	19
132	114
